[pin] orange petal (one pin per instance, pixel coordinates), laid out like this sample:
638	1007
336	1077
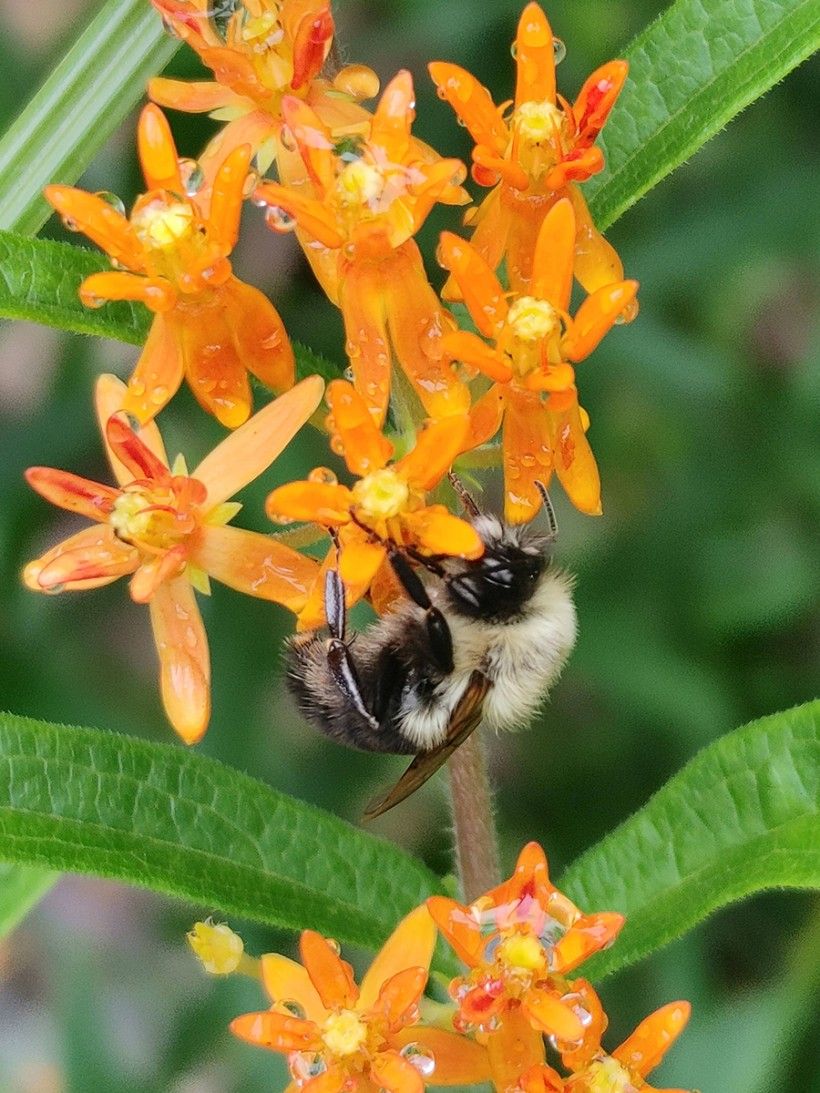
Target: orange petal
583	997
399	996
73	493
409	946
311	44
480	288
227	197
365	449
313	140
472	103
439	179
392	1072
362	300
596	261
254	127
555	256
596	315
286	981
513	1049
198	97
185	670
321	502
110	397
331	976
492	222
574	462
464	346
546	1012
132	452
597	97
276	1031
530	878
213	368
541	1079
155	293
158	372
97	219
332	1080
246	453
577	166
485	417
311	215
393	118
527	454
525	223
534	58
259	335
417	322
437	531
386	591
437	445
157	151
459	1060
644	1049
153	572
255	564
359	563
460	929
589	934
91	558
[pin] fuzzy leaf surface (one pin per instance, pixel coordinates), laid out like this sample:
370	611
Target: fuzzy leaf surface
741	817
691	71
165	818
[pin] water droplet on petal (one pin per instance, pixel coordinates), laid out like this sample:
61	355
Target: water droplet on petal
294	1008
54	590
70	224
305	1065
113	200
279	219
250	183
323	475
514	50
559	50
159	395
193	176
334	945
419	1057
348	374
283	521
528	460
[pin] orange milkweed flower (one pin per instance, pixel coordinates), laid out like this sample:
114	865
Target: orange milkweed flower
534	156
208	326
168	530
356	210
519	941
535	339
625	1070
338	1036
386	505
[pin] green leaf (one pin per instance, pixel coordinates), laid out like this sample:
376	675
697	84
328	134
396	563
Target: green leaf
39	279
79	106
21	887
741	817
166	818
691	71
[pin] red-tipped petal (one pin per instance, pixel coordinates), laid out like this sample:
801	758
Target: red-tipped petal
69	491
91	558
132	451
597	97
110	397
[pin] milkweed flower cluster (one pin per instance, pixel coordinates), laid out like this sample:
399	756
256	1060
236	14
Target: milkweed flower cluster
355	185
520	943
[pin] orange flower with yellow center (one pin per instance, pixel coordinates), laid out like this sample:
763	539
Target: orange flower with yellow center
533	156
259	51
535	339
339	1037
519	941
625	1070
356	211
387	505
208	326
167	529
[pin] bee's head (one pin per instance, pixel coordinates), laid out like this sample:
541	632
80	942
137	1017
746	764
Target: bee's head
499	584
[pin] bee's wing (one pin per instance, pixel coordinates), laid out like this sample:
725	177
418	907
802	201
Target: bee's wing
465	719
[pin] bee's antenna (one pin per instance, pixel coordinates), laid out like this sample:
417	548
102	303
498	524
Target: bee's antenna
550	511
470	507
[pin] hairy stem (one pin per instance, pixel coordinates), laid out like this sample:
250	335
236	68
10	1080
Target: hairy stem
473	821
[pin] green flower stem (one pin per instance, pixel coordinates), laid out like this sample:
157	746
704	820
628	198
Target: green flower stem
473	818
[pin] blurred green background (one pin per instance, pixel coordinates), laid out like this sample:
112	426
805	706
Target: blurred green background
697	591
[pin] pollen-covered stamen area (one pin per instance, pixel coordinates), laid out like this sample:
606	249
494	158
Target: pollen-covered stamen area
368	185
348	1038
531	337
155	516
175	242
344	1033
381	498
605	1075
540	131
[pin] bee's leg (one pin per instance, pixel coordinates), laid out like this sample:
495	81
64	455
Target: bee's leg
438	632
339	662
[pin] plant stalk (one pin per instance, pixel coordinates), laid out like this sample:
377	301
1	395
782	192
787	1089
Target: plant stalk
476	842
